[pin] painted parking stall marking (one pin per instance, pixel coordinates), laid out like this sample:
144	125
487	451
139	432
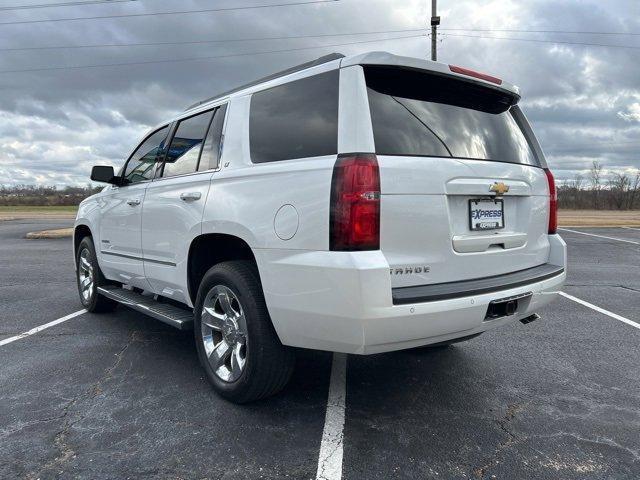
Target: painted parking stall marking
332	446
35	330
601	310
600	236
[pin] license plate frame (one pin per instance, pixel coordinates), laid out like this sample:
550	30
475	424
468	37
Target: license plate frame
497	226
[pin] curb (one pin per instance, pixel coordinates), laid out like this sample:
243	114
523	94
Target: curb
58	233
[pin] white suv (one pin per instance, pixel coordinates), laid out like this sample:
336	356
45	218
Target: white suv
353	204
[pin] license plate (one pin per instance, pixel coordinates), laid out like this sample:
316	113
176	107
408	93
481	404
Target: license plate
486	214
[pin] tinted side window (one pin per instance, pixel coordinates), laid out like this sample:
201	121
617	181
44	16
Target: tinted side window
141	165
184	150
295	120
212	146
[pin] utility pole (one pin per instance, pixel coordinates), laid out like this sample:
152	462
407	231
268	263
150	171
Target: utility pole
435	21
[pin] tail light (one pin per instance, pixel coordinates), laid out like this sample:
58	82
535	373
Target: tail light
553	202
355	203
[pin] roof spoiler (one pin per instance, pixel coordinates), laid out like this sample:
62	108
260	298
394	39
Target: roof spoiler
303	66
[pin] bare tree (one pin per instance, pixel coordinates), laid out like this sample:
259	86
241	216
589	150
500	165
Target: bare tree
595	177
570	194
618	188
634	186
577	182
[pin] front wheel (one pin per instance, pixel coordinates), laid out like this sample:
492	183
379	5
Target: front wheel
237	344
89	277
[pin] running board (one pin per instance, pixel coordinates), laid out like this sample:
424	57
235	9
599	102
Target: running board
167	313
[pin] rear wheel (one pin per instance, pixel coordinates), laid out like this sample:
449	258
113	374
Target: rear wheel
89	278
237	344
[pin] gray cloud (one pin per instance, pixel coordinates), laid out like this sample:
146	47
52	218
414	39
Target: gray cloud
584	102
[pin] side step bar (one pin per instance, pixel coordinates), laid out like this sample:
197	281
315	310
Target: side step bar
169	314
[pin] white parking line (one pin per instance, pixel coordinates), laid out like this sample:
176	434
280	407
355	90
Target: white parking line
631	228
601	310
41	327
332	446
600	236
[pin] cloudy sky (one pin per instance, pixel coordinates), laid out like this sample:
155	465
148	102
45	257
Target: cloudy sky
62	110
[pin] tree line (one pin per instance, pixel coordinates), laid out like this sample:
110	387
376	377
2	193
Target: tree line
597	191
42	195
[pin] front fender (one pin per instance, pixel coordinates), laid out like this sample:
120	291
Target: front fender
88	216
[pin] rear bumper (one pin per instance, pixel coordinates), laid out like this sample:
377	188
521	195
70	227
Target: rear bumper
342	301
444	291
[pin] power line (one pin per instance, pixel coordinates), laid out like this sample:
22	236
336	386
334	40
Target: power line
302	48
73	67
179	12
513	30
249	39
192	59
62	4
287	37
199	42
536	40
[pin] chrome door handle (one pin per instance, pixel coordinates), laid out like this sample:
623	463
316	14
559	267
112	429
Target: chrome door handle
190	196
133	202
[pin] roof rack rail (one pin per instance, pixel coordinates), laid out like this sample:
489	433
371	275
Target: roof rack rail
303	66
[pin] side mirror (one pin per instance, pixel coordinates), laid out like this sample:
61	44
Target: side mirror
104	174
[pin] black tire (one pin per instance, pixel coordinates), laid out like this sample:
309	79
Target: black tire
94	302
268	364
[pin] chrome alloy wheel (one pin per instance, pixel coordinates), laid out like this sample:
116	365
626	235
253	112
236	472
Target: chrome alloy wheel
86	275
224	333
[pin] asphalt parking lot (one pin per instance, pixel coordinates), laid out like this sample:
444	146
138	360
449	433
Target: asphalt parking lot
122	396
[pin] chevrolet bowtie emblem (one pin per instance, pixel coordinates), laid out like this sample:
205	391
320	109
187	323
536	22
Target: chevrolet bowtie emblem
499	188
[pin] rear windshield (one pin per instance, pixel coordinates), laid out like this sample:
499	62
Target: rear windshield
420	114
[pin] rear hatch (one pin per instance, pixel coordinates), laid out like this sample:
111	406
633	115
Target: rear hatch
448	150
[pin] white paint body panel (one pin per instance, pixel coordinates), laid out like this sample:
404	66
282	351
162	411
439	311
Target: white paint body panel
341	301
169	224
338	301
425	218
120	246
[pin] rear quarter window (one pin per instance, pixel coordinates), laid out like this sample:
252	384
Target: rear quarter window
298	119
419	114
